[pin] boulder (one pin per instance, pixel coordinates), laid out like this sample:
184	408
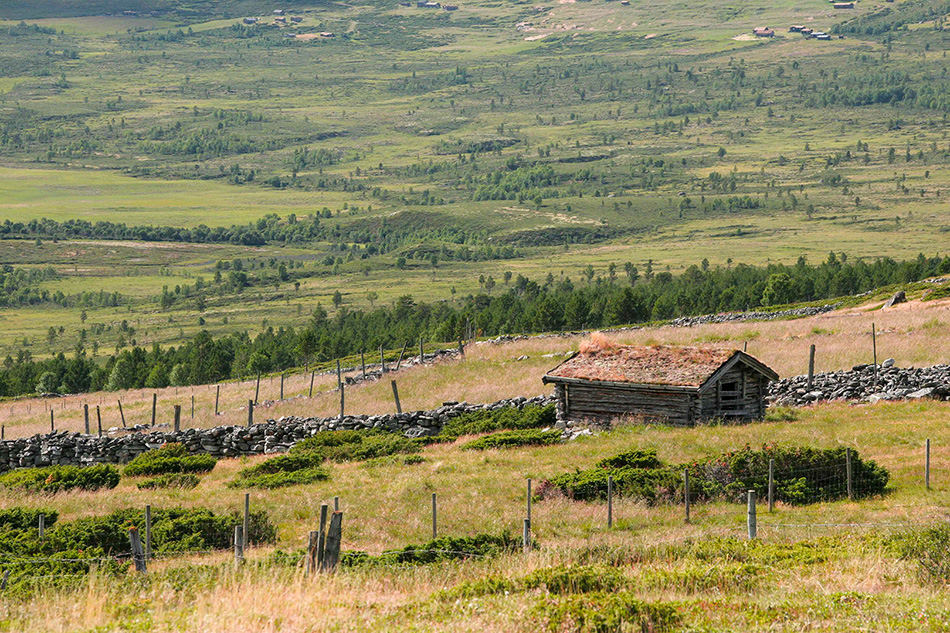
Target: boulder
897	298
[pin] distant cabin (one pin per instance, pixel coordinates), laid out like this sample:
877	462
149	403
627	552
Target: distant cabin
795	28
280	20
843	5
278	12
763	31
250	20
682	386
296	18
450	7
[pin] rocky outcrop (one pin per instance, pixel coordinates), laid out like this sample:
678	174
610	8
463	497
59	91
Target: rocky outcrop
273	436
858	383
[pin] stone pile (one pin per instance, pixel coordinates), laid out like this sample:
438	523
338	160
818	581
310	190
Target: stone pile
273	436
729	317
858	383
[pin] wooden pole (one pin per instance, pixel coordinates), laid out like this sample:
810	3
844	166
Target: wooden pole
3	431
238	544
148	532
41	527
322	535
99	420
257	387
247	518
382	359
281	385
138	557
461	347
121	413
435	519
847	457
874	344
217	398
610	501
811	365
396	396
927	467
331	555
312	374
529	501
363	363
192	406
250	412
771	485
85	414
422	353
311	560
401	354
751	518
336	504
177	418
52	422
154	405
686	492
339	374
526	536
342	401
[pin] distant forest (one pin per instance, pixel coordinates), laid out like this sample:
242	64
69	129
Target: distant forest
626	295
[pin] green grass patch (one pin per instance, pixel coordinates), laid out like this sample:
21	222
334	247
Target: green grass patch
514	439
185	481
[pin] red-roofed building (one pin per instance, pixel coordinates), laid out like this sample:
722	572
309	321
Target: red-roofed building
677	385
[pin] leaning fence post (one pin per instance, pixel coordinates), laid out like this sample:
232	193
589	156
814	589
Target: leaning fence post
148	532
250	412
312	374
334	539
99	420
927	466
399	362
257	387
238	544
177	418
751	521
154	406
121	413
396	396
137	556
847	459
435	520
85	414
771	485
610	501
686	492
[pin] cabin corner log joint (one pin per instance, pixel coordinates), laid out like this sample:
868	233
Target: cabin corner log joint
682	386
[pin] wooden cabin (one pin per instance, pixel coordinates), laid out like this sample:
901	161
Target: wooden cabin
682	386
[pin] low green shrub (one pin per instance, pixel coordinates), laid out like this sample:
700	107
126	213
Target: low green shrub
737	577
636	458
507	418
603	612
488	586
60	478
184	481
575	579
354	445
928	548
170	458
280	479
441	549
649	484
25	518
514	439
394	460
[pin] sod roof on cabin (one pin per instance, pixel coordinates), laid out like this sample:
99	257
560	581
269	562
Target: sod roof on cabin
653	365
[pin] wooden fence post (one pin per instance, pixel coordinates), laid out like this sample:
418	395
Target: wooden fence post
52	423
339	375
250	412
281	385
3	431
874	344
686	492
529	500
41	526
422	353
342	401
847	458
99	420
382	359
217	398
322	534
121	413
177	418
310	563
312	374
192	406
396	396
331	555
610	501
751	519
148	532
85	413
336	504
461	347
363	363
138	557
526	536
811	365
771	485
247	518
257	388
238	544
154	405
927	466
435	520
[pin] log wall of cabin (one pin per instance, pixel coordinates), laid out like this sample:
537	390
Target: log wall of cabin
600	401
744	402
